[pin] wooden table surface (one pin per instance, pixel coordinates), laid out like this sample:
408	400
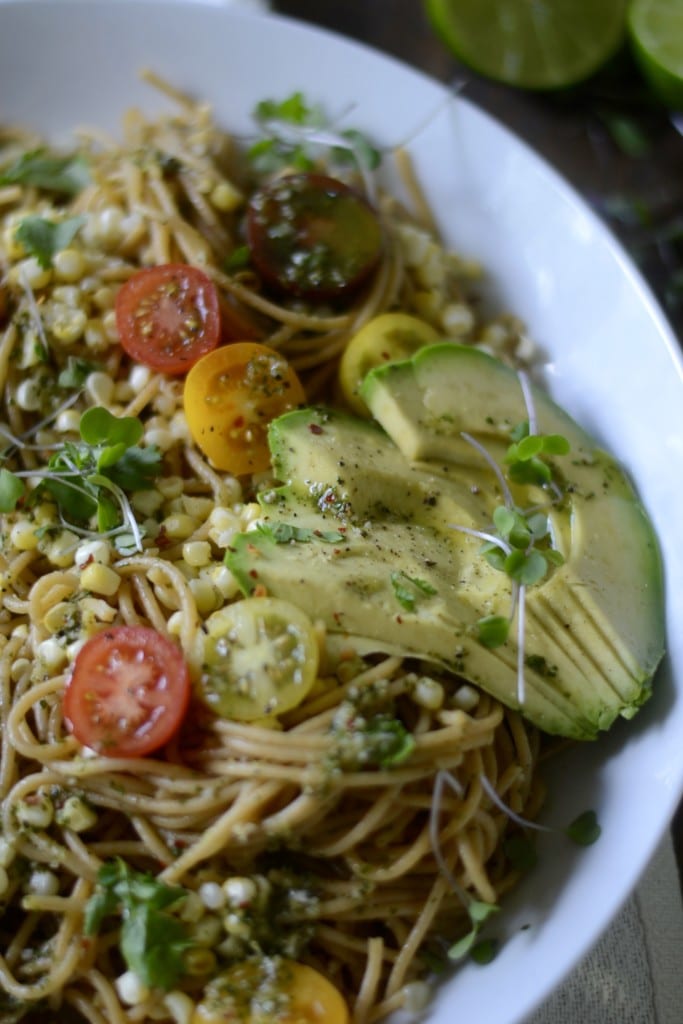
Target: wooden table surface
602	137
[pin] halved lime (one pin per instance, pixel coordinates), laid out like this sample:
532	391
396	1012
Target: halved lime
533	44
656	30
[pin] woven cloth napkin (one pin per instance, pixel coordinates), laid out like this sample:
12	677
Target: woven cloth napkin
634	975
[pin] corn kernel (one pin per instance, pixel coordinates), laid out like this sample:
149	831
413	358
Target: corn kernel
29	274
147	502
99	387
206	597
207	930
170	486
29	395
76	815
197	553
36	813
56	617
69	265
179	527
92	551
68	326
100	579
68	421
199	961
225	197
52	655
23	536
131	990
20	666
61	550
180	1006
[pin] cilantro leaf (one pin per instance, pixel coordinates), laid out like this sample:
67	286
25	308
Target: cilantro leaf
44	238
389	741
65	175
75	373
153	940
11	490
137	468
287	533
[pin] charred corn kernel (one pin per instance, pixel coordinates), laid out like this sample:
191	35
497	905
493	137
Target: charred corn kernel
428	693
36	813
76	814
197	553
69	265
180	1006
207	930
92	551
20	666
225	197
206	597
61	551
68	421
28	273
180	526
131	990
100	579
68	326
51	655
28	395
99	387
55	617
23	536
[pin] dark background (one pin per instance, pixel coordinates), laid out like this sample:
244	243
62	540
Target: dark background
608	137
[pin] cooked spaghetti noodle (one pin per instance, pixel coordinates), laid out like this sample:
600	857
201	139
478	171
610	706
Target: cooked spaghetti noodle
288	839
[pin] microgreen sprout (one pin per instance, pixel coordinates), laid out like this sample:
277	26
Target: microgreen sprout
91	478
520	543
294	129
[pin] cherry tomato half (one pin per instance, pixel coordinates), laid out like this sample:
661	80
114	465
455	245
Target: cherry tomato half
168	316
128	692
260	659
298	994
313	236
230	397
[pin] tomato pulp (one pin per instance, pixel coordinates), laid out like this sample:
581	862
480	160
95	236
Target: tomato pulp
168	316
128	692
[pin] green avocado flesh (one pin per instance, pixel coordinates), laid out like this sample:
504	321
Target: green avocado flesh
367	534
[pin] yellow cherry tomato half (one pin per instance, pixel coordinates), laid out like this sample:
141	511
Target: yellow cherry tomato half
230	397
260	659
252	993
384	339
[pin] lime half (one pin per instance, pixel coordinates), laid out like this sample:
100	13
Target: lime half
656	30
533	44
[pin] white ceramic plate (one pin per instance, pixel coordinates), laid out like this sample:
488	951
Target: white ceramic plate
612	362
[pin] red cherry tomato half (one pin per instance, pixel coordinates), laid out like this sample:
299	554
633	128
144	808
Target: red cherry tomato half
313	236
128	692
168	316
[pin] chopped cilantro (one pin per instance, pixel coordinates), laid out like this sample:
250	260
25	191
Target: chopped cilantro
407	589
41	169
44	238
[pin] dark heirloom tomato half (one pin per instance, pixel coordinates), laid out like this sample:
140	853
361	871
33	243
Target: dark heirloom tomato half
168	316
128	692
313	236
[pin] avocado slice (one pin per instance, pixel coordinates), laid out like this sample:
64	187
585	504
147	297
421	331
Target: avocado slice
376	531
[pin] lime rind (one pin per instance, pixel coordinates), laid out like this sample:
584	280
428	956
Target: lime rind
531	44
656	33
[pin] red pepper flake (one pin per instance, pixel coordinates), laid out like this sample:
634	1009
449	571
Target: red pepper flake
260	591
315	428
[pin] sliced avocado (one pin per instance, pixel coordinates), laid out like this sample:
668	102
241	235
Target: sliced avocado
367	534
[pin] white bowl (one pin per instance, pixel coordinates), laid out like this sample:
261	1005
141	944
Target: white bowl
613	363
